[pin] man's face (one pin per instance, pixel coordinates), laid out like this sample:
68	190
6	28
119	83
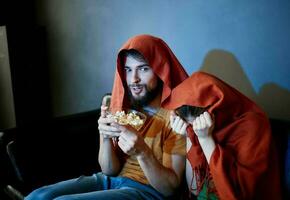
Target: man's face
141	80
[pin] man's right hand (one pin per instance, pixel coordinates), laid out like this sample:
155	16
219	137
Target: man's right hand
108	157
177	124
107	126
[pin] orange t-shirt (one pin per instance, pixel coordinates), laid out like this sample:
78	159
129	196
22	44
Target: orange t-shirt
161	139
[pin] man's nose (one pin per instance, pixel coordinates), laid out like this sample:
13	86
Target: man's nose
135	77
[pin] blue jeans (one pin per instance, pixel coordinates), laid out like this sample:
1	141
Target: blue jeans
97	186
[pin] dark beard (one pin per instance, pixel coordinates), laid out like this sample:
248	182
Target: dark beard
144	101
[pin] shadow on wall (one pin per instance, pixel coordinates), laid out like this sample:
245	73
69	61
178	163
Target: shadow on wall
272	98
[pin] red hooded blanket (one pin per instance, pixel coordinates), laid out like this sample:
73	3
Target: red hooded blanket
244	164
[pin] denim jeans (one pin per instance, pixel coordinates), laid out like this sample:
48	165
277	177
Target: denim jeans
97	186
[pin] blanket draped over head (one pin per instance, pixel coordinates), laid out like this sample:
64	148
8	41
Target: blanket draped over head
159	57
244	164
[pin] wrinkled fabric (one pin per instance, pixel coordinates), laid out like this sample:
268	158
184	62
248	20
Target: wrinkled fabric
244	164
159	57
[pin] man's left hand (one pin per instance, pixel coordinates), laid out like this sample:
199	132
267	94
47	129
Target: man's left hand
130	142
203	125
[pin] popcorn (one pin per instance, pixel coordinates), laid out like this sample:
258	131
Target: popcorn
131	118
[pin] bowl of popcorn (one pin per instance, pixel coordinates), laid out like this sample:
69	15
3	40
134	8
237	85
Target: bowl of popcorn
130	117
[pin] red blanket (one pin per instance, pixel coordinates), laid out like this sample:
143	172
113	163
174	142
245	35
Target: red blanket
244	163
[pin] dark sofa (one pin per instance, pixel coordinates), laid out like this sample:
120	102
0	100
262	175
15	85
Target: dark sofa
66	147
48	151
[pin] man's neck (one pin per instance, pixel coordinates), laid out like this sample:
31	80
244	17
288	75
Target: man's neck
153	106
155	103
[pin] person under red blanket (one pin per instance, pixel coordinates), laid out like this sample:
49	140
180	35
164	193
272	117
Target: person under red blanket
230	150
136	164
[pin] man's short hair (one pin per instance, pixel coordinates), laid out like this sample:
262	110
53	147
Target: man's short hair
133	53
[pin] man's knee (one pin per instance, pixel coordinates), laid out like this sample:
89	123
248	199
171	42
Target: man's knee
42	193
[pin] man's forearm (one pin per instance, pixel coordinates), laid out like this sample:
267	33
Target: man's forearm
108	159
161	178
208	145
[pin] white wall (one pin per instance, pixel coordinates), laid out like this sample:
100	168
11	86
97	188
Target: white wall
246	43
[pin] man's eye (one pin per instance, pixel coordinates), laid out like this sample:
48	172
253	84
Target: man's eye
127	69
144	69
